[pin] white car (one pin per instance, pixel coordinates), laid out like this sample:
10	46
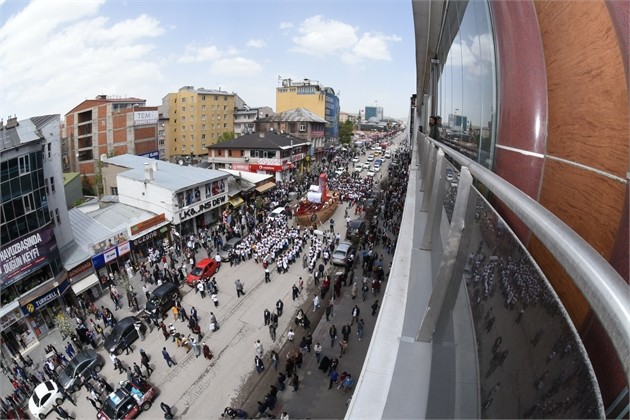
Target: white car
366	165
355	160
371	174
370	158
44	397
388	155
358	169
376	168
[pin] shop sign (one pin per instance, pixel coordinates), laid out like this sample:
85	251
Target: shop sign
145	117
151	155
297	157
269	162
146	237
124	248
9	319
273	168
240	167
45	299
188	213
109	255
142	226
23	256
110	242
81	268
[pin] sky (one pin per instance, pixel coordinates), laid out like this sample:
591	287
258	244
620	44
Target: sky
56	53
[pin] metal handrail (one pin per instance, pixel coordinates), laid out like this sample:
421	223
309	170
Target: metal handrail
604	289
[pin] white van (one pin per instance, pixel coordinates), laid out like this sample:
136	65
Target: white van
276	212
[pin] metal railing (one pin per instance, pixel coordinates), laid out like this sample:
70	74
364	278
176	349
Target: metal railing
604	289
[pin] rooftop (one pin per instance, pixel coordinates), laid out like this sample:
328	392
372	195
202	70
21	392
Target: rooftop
296	115
15	133
261	140
168	175
120	216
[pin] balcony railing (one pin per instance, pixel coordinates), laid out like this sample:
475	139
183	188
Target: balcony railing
469	326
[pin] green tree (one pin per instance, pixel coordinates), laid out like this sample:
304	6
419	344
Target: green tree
65	324
228	135
345	132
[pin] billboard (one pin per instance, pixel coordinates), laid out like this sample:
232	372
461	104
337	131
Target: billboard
27	254
145	117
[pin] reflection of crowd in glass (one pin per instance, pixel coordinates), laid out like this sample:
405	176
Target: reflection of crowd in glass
562	387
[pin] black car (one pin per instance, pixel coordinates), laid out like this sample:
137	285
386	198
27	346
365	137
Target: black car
162	298
356	229
124	328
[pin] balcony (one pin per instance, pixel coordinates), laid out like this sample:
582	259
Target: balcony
469	326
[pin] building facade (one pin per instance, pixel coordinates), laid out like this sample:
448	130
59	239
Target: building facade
245	119
263	152
32	278
313	96
373	112
195	119
108	126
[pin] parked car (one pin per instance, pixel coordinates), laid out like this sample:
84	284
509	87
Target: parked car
162	298
231	243
358	169
276	212
370	158
344	251
366	165
84	362
370	173
355	160
45	395
356	229
204	268
127	401
123	329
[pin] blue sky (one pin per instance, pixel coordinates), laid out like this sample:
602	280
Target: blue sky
56	53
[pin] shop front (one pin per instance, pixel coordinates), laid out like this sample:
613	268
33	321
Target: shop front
84	281
16	334
147	235
193	218
111	262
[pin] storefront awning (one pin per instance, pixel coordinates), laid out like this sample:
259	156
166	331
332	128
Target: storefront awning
265	187
236	201
84	284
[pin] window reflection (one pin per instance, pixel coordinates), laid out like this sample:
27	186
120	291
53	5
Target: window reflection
467	84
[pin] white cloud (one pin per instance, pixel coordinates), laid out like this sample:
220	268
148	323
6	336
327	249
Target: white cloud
318	36
66	50
286	25
236	66
200	53
256	43
474	54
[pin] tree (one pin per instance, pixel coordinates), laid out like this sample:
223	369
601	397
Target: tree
228	135
86	184
65	324
345	132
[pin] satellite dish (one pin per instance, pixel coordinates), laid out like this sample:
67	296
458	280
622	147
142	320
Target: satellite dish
181	162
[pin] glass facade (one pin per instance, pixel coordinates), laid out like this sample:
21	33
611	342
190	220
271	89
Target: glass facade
24	203
466	91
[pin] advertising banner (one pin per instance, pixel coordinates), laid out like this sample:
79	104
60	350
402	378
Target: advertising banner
145	117
25	255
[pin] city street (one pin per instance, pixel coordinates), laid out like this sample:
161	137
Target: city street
198	388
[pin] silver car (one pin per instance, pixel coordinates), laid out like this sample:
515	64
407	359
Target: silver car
84	362
343	253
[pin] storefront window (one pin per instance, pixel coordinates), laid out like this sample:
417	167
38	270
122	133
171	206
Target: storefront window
467	84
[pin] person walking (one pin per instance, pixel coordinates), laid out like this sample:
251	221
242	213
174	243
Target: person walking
267	275
318	351
137	370
94	403
259	348
272	331
267	316
167	411
332	332
343	346
295	382
138	326
239	288
374	307
354	290
169	361
62	413
144	361
207	354
274	359
346	330
332	376
315	303
360	326
196	347
295	292
258	364
355	314
279	307
281	378
126	345
329	310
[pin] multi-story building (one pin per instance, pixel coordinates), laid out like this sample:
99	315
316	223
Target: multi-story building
33	209
188	197
375	112
346	116
245	119
300	123
108	126
313	96
195	119
263	152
